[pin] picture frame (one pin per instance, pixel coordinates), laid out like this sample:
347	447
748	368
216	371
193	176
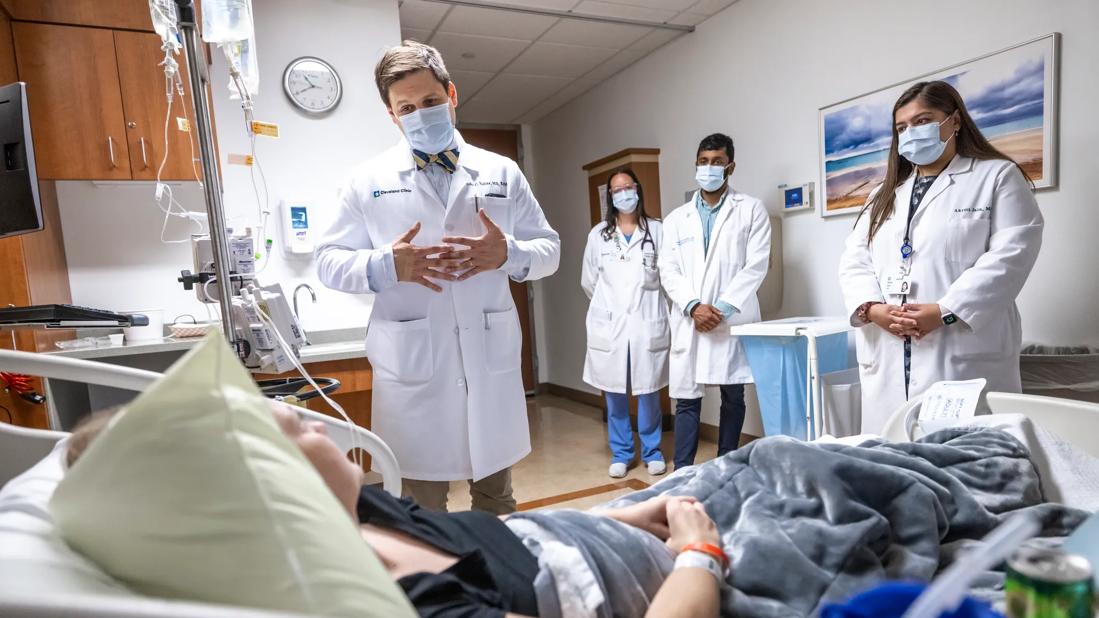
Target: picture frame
1011	93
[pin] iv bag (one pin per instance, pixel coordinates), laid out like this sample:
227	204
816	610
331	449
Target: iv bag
226	21
242	56
165	16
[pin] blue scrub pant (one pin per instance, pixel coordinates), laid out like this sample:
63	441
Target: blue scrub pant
620	430
688	413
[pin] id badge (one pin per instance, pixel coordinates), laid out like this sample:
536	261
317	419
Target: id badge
898	285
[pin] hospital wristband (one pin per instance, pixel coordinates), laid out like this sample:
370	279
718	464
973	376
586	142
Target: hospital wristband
699	560
709	549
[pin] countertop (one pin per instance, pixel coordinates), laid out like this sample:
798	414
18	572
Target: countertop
329	345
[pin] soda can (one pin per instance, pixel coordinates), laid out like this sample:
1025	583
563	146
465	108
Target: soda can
1046	582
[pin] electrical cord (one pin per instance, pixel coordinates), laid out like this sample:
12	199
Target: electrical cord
11	419
355	445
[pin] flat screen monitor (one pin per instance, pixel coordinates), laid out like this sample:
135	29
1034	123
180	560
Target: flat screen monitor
20	207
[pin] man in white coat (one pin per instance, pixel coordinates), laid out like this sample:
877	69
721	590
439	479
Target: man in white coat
712	261
435	227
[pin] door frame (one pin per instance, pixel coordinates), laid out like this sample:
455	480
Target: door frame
531	297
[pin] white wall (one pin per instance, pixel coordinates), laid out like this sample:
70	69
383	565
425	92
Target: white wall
112	232
778	62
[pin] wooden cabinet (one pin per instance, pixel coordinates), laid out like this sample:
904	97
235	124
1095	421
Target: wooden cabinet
142	81
97	103
122	14
75	101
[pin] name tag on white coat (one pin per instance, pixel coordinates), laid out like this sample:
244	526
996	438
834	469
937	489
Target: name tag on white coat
898	284
948	402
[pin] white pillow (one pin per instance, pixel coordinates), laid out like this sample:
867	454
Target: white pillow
193	493
34	561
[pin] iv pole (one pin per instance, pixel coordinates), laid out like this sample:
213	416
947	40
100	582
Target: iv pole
215	208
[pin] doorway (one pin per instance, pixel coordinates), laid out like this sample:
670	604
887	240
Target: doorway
505	142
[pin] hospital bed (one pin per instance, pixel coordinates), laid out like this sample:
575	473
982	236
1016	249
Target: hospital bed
21	448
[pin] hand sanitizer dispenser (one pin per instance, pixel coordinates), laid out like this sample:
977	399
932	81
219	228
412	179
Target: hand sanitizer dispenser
297	228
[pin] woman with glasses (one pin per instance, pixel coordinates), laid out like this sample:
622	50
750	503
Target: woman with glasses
627	323
931	271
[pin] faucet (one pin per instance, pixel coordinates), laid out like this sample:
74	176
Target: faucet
312	293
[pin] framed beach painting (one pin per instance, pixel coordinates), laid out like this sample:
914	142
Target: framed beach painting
1011	94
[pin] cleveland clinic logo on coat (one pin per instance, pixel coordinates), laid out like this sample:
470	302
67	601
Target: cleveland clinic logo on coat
381	192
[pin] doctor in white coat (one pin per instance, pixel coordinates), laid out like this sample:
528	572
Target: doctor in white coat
712	262
435	228
931	271
627	322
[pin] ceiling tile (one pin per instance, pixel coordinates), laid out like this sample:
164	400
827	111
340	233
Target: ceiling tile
477	53
481	111
577	32
519	93
569	93
421	15
689	19
489	22
416	35
553	5
654	40
709	7
559	60
671	5
619	61
610	9
469	83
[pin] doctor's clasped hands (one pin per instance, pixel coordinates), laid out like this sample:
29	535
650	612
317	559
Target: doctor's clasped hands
420	264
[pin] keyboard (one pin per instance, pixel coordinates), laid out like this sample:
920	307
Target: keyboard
67	316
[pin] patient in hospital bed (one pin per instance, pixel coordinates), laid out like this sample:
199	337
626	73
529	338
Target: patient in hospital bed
804	524
472	564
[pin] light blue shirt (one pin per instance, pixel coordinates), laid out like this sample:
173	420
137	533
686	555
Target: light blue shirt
708	215
382	271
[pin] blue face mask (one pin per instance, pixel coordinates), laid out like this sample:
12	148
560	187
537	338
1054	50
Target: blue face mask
625	201
710	177
429	130
921	144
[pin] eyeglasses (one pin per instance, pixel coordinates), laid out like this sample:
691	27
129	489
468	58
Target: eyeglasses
615	190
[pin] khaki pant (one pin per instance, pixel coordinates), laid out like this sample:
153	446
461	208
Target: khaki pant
491	494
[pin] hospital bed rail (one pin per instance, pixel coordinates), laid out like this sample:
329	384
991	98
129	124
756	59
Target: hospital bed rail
22	447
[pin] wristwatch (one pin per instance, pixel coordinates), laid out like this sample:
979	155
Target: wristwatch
949	318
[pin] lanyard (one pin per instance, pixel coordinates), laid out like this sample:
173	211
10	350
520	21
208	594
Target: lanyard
906	246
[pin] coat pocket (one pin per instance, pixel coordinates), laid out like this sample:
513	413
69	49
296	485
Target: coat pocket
660	337
400	351
503	341
599	326
967	240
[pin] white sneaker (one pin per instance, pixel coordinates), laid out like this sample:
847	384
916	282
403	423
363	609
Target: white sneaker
617	470
657	467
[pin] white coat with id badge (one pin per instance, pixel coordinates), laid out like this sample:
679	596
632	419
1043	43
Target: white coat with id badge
971	244
628	311
447	389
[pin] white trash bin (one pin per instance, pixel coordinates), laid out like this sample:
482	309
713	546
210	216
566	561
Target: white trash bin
842	403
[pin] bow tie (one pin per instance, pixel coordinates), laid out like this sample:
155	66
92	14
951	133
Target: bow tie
447	159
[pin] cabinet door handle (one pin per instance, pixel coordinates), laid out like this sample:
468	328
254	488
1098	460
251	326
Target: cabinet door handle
144	157
110	150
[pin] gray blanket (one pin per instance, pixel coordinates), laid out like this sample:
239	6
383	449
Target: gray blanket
810	523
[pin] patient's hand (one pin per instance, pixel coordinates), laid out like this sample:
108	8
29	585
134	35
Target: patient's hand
689	523
650	515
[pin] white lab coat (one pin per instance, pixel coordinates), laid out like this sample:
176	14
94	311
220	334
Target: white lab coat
628	312
976	235
448	391
731	271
